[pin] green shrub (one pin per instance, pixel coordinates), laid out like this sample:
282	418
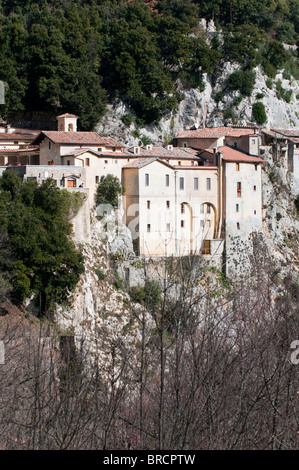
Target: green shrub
109	190
242	80
149	294
219	96
127	119
269	83
260	96
259	113
101	276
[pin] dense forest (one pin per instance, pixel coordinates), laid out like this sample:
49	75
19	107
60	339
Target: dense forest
76	55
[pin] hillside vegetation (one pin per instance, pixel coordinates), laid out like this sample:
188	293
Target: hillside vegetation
75	55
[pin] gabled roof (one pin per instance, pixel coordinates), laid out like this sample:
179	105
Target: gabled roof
174	153
287	132
142	162
76	138
232	155
67	115
241	132
206	133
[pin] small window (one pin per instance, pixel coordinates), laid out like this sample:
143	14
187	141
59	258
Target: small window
148	204
238	226
255	212
238	166
208	209
167	204
239	189
168	227
97	179
182	184
195	183
255	167
68	162
208	184
185	145
148	227
106	162
167	180
146	179
253	141
87	161
237	207
182	223
208	223
254	188
115	161
182	208
179	163
202	209
206	250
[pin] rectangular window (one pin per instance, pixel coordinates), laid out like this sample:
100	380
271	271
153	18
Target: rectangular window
148	204
167	180
87	161
208	209
68	162
182	223
239	189
97	179
255	167
208	184
195	183
146	179
254	188
167	227
208	222
167	204
182	183
106	162
238	166
182	209
238	226
237	207
179	163
148	227
206	250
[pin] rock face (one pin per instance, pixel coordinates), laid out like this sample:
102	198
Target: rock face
199	109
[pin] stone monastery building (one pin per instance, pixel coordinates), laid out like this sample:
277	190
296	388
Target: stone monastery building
178	200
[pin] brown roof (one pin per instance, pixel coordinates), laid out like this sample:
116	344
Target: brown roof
240	132
232	155
76	138
163	153
16	136
10	150
141	162
287	132
206	133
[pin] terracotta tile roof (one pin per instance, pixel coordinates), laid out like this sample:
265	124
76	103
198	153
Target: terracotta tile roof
241	132
33	149
287	132
141	162
114	155
206	133
232	155
16	136
77	138
163	153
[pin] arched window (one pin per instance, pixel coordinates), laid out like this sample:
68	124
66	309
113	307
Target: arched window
71	127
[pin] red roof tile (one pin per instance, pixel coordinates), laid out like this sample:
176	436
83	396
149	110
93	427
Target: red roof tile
206	133
77	138
232	155
163	153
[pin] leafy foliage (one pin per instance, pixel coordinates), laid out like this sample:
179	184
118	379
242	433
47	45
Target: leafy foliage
36	221
109	190
259	113
74	55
